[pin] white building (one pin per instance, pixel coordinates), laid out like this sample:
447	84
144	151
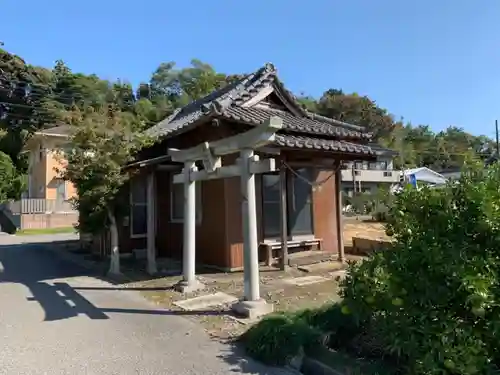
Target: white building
366	177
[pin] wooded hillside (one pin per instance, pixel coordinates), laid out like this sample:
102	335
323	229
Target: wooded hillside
34	97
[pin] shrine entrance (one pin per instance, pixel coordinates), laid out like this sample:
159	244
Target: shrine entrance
246	167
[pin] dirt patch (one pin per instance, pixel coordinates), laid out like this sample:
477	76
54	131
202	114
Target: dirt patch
353	228
219	321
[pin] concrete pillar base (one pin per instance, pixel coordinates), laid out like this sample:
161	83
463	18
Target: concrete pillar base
152	270
253	309
114	274
189	287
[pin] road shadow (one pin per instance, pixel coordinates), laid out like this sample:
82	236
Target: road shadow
60	301
241	364
32	266
35	268
61	252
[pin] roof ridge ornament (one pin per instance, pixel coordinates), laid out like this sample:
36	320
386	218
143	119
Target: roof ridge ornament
214	107
270	67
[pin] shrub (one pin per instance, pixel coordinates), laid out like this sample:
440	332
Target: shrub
433	298
340	327
278	338
380	214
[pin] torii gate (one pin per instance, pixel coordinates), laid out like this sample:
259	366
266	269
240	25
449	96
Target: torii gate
246	167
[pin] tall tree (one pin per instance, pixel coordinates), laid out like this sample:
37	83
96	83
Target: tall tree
22	88
355	109
11	181
32	97
103	142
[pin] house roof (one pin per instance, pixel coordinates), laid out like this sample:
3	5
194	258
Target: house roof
295	141
237	102
305	125
56	131
379	150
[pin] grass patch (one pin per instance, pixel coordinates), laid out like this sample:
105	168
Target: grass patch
28	232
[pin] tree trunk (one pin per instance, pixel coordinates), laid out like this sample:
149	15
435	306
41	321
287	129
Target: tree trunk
114	265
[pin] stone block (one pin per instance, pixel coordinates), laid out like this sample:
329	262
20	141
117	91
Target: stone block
305	280
253	309
204	302
189	287
366	245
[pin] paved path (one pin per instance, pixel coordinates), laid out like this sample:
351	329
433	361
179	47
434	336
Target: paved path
56	318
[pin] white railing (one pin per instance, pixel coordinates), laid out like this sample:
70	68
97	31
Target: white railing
371	175
39	206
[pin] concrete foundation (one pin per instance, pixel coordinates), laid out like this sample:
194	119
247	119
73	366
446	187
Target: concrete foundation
189	287
206	301
253	309
305	280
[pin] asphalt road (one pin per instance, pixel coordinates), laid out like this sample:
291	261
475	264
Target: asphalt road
57	318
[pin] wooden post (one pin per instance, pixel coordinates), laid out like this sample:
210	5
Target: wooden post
340	216
151	231
283	217
250	238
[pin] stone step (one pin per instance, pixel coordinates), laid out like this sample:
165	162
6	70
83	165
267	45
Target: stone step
309	257
321	267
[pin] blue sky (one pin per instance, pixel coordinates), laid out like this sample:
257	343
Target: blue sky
433	62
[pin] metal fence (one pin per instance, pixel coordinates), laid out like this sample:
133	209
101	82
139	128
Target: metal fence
39	206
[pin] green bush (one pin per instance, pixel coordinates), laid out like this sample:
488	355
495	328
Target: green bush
381	214
434	297
341	328
278	338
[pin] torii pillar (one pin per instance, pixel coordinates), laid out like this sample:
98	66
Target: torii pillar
252	305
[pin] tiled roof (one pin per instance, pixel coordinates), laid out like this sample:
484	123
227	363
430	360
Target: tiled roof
306	125
235	93
379	150
228	100
301	142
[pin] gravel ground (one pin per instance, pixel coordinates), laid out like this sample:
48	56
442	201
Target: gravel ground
58	318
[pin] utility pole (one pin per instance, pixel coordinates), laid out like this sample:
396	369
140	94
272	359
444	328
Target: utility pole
353	169
401	153
497	143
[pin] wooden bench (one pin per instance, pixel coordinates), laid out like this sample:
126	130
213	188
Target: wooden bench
270	246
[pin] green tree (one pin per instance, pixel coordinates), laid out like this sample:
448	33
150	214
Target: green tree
356	109
20	96
447	321
103	142
12	183
33	97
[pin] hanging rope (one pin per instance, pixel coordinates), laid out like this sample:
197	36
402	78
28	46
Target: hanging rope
316	185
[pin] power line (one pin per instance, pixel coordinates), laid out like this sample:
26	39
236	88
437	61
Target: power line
47	111
41	84
27	106
76	98
35	92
